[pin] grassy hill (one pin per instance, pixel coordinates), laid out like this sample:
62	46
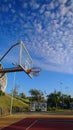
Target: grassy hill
5	102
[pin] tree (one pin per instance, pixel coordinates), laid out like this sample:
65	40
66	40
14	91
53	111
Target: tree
36	95
66	101
59	100
54	99
2	93
22	95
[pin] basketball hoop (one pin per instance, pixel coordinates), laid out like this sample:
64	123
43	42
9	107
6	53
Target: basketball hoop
23	63
35	71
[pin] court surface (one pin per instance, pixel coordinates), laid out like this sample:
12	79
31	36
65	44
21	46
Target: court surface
42	124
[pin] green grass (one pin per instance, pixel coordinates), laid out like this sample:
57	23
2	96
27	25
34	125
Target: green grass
24	100
5	101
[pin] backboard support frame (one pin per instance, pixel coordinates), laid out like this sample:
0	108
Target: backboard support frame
19	66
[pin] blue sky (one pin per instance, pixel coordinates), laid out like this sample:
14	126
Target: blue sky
46	29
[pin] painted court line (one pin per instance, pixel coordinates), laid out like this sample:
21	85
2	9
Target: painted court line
31	125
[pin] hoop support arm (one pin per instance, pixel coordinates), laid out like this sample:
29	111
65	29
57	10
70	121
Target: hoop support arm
14	69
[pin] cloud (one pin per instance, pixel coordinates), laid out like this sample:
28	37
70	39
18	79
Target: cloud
45	28
34	5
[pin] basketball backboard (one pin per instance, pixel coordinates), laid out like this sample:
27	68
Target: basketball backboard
25	61
18	56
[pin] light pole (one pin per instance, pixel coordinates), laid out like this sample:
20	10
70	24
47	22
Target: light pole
13	86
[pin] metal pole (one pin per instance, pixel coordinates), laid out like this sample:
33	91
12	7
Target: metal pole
12	93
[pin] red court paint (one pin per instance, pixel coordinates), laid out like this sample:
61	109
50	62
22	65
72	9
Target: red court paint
42	124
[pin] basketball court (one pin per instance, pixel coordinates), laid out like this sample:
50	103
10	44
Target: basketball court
41	123
23	62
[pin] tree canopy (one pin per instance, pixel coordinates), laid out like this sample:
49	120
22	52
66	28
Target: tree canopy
36	95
